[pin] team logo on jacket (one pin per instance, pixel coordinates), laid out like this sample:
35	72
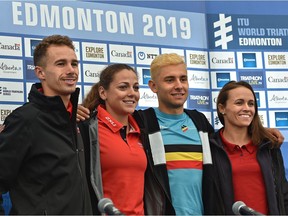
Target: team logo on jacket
184	128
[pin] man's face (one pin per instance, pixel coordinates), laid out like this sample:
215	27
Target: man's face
60	72
171	87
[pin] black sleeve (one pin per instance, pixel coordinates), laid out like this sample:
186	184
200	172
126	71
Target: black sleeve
283	180
281	183
15	136
1	205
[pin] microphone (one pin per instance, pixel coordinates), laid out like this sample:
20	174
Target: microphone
106	206
240	208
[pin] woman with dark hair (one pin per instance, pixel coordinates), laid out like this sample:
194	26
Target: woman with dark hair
115	143
245	165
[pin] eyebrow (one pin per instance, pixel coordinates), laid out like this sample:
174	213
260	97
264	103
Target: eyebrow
65	60
127	83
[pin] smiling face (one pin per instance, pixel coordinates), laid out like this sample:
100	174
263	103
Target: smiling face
122	95
171	86
59	73
239	109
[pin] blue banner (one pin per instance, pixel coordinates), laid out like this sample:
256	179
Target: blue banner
102	22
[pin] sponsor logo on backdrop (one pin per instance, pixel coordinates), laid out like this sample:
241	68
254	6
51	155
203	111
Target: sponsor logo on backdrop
146	76
145	55
147	98
94	52
222	79
121	53
255	79
91	72
33	44
10	46
30	74
197	59
142	55
198	79
11	91
124	54
277	99
277	79
11	69
222	60
281	119
276	59
223	31
249	60
199	99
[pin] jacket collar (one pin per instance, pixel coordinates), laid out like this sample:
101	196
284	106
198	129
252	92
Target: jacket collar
216	140
52	103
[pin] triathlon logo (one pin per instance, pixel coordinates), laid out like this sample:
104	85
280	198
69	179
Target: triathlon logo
224	29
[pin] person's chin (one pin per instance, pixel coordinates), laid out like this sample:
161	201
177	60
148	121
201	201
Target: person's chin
130	111
179	104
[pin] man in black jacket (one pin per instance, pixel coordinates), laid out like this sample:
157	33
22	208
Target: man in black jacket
179	137
41	153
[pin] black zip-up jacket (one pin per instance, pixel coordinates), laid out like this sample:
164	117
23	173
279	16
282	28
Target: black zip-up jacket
218	189
41	160
153	194
159	170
